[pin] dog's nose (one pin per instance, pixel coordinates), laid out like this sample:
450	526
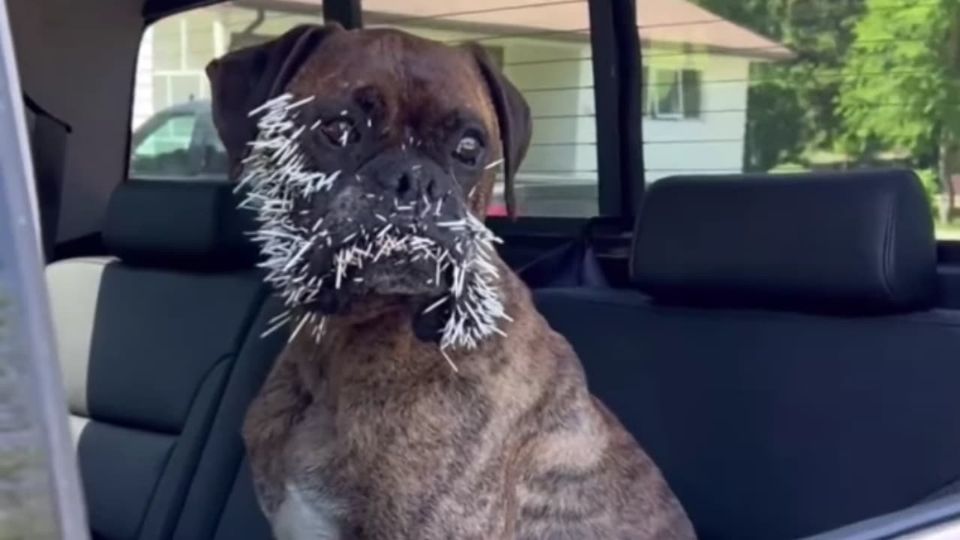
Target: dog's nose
407	176
411	183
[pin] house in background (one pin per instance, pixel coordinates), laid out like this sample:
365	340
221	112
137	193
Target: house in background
696	67
697	75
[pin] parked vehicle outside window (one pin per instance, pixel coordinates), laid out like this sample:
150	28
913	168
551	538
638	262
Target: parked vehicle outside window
179	143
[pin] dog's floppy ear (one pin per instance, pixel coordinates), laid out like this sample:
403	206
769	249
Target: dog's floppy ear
244	79
513	115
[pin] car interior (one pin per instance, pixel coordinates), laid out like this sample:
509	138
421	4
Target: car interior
784	346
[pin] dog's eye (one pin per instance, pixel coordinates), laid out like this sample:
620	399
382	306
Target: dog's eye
341	131
469	149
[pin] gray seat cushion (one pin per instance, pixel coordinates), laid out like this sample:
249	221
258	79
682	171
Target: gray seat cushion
161	355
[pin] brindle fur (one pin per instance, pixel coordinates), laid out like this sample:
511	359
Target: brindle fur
378	434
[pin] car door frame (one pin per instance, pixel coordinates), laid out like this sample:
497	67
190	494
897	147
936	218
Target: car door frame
28	342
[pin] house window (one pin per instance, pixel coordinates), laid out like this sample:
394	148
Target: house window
671	93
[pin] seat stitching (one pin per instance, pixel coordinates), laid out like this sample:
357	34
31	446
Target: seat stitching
204	435
887	254
243	336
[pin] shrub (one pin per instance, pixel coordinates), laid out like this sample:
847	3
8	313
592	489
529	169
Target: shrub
931	184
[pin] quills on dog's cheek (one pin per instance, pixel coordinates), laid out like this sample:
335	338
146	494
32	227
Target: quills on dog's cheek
276	175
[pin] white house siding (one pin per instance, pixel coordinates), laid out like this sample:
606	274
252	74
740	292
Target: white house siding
712	143
172	72
557	79
143	106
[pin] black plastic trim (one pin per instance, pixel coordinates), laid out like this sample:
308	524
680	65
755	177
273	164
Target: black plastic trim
629	55
606	75
346	12
948	251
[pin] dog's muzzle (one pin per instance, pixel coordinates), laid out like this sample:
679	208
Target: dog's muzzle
397	226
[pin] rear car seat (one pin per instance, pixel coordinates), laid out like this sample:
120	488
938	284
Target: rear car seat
161	351
780	358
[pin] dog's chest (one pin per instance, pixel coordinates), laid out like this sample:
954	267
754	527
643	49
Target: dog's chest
399	462
308	514
311	508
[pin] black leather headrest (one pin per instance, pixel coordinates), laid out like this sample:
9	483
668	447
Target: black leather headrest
853	243
181	224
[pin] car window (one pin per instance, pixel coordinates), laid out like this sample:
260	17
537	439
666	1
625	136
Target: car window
173	135
544	48
172	125
165	150
779	86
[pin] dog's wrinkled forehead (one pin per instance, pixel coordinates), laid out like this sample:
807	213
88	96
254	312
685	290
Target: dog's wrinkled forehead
419	81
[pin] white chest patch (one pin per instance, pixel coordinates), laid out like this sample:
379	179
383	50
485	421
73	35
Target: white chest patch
308	515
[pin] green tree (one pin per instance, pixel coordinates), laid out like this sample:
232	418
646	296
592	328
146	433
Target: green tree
900	90
792	109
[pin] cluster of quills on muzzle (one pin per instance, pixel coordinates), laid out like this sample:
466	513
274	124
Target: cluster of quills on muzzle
276	173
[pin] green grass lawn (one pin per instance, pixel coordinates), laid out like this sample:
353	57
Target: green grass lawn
948	232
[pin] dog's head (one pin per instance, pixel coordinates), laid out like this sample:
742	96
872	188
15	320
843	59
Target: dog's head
370	157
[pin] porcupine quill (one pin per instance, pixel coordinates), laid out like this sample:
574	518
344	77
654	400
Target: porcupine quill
275	173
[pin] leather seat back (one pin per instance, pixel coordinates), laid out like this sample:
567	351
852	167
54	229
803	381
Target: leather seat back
779	358
161	351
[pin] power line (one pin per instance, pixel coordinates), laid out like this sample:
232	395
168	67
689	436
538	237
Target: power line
819	74
452	14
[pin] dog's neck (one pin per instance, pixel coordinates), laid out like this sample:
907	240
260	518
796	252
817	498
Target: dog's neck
377	336
368	309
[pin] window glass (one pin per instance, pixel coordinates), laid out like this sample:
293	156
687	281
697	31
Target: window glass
674	93
165	150
666	94
784	85
543	47
173	133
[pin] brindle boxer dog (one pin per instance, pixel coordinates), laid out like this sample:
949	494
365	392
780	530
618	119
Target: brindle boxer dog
422	396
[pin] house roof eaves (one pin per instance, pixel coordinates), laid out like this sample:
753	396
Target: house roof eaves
761	53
